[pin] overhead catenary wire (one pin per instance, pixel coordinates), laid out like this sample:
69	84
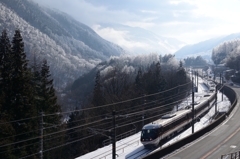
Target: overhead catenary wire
54	126
81	110
17	148
76	141
121	102
126	115
55	147
7	137
131	108
139	113
89	124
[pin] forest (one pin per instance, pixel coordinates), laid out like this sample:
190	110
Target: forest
38	122
228	54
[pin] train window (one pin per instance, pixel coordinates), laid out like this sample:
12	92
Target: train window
149	133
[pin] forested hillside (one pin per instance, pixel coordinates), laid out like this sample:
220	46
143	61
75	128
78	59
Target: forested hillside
26	95
70	47
121	67
33	125
228	53
204	48
129	85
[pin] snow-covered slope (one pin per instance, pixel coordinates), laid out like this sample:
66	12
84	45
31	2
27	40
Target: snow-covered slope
204	48
70	47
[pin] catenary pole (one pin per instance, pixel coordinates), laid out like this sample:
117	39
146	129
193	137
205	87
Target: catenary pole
192	106
41	136
113	135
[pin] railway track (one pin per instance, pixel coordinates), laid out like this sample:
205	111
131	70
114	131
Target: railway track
137	154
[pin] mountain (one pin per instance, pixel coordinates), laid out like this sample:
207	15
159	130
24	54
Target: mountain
70	47
138	40
204	48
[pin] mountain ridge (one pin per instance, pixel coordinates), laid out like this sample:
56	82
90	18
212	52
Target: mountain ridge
45	36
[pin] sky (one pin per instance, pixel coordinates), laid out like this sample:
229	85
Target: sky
190	21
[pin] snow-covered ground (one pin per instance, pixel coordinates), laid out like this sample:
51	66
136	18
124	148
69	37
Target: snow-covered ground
132	148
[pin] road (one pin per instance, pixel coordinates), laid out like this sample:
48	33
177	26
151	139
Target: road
222	140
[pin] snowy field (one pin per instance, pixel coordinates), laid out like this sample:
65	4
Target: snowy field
131	147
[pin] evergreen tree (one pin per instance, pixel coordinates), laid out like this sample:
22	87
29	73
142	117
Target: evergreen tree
159	80
75	149
97	92
139	81
5	74
36	84
49	105
21	99
5	69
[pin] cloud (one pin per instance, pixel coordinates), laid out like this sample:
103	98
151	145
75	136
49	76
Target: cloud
119	37
186	20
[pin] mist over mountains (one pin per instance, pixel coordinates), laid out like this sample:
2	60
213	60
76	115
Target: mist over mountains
70	47
137	40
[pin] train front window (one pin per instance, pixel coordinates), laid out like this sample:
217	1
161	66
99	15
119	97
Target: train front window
149	133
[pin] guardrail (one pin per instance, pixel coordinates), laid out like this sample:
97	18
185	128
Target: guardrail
233	155
231	94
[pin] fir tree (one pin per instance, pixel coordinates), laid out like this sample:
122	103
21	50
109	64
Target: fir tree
5	70
21	99
159	79
5	74
97	92
49	105
139	81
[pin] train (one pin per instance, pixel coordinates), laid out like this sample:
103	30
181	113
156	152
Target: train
170	124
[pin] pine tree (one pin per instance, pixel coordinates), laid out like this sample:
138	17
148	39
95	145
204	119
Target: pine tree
159	79
36	82
139	82
97	92
49	105
21	99
5	69
5	74
75	149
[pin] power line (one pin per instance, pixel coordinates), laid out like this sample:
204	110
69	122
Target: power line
136	113
109	114
18	135
121	102
130	114
80	125
85	138
14	121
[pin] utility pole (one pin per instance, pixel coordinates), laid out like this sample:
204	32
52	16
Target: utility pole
197	80
222	93
41	136
195	77
192	106
222	89
216	105
220	78
113	135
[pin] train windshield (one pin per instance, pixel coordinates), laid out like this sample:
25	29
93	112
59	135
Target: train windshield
149	133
